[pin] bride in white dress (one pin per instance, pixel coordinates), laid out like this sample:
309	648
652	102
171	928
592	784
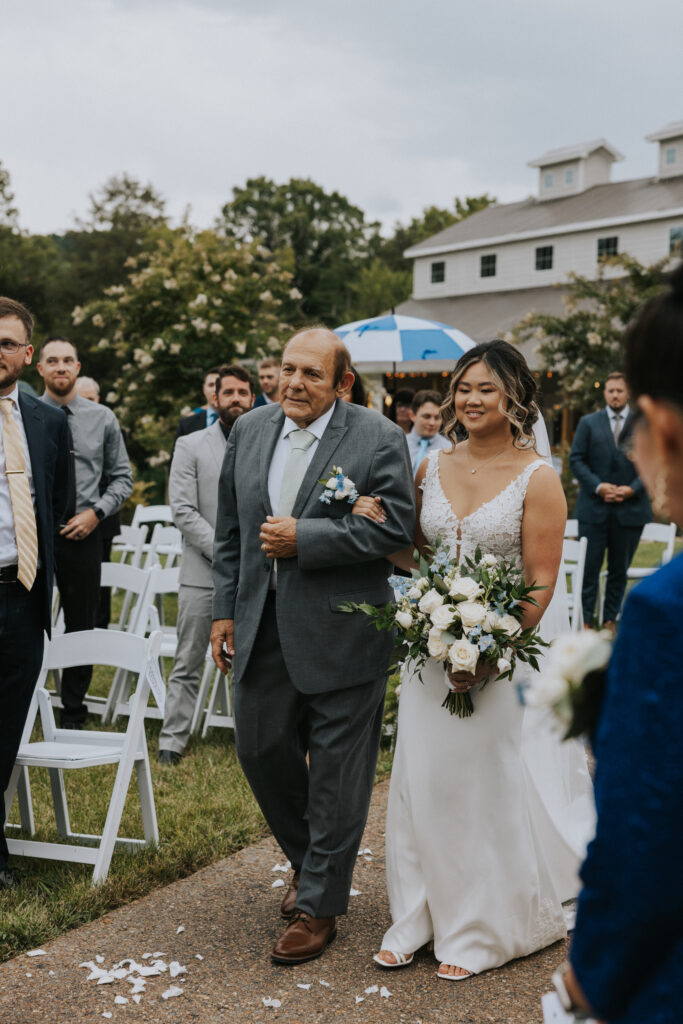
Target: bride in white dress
488	816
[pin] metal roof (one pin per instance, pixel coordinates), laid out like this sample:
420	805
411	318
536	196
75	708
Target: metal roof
577	152
673	130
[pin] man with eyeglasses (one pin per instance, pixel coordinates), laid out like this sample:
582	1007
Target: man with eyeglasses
99	453
34	493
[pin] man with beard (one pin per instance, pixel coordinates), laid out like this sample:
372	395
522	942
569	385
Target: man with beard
99	453
193	494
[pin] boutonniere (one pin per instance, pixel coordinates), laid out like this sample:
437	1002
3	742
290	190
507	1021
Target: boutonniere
339	487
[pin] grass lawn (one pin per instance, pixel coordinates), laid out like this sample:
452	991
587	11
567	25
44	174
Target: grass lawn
205	811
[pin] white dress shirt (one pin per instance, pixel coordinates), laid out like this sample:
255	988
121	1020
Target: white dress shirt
282	449
8	541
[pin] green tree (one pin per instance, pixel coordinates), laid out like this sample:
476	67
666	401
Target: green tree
327	237
586	343
9	215
191	300
378	288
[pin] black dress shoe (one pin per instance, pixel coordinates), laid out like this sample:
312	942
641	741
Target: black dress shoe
168	757
8	879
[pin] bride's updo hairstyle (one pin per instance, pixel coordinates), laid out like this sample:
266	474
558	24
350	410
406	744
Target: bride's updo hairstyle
653	356
517	386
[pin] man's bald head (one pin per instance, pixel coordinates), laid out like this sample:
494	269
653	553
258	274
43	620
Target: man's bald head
325	341
315	371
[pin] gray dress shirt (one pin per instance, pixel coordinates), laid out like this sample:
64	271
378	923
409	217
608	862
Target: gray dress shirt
99	451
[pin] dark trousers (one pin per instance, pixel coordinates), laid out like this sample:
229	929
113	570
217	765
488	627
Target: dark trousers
78	565
317	813
621	543
21	655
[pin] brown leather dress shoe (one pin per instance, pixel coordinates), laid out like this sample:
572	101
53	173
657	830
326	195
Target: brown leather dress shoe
304	939
288	905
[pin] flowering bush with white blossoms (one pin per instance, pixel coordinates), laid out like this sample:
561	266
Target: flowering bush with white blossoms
572	681
459	615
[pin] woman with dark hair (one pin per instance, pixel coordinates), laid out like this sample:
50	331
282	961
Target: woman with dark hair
627	952
476	862
356	393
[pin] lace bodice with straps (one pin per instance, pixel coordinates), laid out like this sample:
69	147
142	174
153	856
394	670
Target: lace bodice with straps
495	527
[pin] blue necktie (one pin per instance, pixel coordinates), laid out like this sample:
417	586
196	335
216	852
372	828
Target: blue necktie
422	446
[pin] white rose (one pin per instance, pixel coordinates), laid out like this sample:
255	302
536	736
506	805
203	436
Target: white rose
415	593
575	654
471	613
404	619
510	624
463	656
489	561
435	644
331	483
547	688
502	665
346	490
466	588
431	600
443	616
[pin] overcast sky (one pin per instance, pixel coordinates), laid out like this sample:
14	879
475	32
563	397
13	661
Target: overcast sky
399	104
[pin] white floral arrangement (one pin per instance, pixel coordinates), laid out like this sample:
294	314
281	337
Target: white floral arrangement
338	487
572	681
460	615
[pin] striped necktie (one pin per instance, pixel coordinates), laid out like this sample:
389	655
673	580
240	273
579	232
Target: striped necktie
20	497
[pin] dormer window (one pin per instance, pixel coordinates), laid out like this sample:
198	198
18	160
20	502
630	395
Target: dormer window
438	272
548	179
569	176
670	155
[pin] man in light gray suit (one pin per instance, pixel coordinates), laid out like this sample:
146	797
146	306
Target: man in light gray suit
309	678
193	493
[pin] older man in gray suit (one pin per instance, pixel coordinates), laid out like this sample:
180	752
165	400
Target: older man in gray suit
193	494
309	679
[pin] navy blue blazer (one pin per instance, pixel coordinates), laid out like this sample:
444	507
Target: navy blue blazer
259	401
627	950
595	459
49	446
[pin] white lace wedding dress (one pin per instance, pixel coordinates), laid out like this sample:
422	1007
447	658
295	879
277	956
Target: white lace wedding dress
488	816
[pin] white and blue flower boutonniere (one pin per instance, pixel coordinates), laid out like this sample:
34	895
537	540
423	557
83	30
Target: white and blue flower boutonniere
338	487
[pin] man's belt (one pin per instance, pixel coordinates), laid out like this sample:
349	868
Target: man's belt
8	573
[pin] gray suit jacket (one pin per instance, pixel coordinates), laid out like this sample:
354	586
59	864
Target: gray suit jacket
193	495
340	556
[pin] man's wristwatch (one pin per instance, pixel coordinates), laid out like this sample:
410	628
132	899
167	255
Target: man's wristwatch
100	514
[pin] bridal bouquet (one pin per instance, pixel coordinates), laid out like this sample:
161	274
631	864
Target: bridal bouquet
572	682
461	615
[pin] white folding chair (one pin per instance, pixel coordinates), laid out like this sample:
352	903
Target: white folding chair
218	713
574	565
166	543
67	749
571	530
129	544
653	533
152	514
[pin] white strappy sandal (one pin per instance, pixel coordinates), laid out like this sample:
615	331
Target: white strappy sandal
454	977
401	959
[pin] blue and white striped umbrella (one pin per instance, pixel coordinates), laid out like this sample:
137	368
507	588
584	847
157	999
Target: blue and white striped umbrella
398	339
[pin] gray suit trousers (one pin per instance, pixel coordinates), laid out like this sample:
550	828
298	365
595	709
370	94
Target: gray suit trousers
194	628
317	813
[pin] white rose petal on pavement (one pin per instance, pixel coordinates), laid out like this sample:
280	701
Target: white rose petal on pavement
281	867
50	973
179	929
171	992
277	883
28	974
384	992
300	985
325	983
354	892
106	979
121	1000
36	952
198	956
360	999
136	998
107	1014
100	959
371	989
175	969
267	1001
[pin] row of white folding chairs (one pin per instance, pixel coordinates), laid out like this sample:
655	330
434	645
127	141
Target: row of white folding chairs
68	749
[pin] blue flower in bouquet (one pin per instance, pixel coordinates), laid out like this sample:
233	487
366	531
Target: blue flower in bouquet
485	642
338	487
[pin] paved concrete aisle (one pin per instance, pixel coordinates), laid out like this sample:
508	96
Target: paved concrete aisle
229	913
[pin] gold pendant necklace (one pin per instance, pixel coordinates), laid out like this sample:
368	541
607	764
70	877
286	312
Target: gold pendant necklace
481	465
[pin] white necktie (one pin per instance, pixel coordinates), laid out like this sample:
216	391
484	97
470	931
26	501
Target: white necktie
23	513
295	469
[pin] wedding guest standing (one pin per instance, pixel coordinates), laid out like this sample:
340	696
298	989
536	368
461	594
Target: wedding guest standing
612	506
35	487
309	678
269	381
425	415
193	494
99	453
627	952
400	409
206	415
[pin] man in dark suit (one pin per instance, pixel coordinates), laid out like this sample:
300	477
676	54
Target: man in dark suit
207	414
309	678
269	381
35	491
612	506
